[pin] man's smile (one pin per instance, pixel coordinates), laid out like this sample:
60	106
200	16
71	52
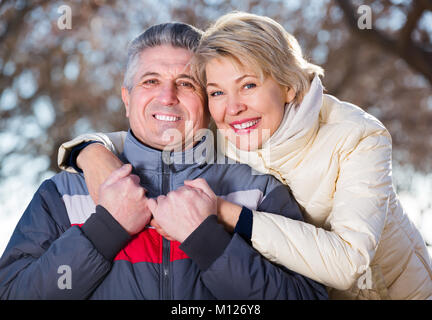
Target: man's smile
166	117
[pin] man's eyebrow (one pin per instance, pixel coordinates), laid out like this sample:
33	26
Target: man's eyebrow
236	80
149	73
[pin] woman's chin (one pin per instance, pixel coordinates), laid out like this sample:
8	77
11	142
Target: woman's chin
249	141
247	145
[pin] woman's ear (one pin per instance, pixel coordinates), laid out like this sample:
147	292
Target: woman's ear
290	94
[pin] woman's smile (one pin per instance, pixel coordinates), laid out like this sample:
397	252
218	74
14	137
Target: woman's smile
245	126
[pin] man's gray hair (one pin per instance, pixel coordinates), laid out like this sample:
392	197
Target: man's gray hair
176	34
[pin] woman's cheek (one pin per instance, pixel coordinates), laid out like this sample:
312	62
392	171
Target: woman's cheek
216	113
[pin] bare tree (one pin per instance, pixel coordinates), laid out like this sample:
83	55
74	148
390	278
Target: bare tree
401	44
73	77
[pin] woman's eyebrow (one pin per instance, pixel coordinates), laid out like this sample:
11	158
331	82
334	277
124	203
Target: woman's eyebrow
236	80
184	75
244	76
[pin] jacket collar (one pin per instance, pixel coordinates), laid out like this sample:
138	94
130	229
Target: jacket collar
143	157
299	119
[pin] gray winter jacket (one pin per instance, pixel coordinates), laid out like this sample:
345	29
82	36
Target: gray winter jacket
65	247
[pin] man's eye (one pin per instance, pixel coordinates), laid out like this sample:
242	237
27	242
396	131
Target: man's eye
215	93
149	82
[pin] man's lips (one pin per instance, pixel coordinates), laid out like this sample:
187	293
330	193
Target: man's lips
245	125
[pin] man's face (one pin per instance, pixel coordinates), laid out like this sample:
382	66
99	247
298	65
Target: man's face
164	96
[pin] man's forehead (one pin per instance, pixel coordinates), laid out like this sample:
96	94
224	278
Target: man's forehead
164	61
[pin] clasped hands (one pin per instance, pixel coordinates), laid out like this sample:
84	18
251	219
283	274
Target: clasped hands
175	216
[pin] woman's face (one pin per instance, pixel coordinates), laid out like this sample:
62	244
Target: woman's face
247	110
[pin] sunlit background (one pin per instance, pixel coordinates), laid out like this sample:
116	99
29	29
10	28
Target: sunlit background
56	84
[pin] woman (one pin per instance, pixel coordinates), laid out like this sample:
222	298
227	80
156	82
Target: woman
269	102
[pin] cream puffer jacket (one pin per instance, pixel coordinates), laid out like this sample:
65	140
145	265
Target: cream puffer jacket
357	239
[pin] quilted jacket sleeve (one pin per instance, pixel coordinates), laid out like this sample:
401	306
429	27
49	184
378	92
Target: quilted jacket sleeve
113	141
339	256
46	258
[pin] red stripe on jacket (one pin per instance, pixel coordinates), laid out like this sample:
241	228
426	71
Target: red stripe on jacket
146	246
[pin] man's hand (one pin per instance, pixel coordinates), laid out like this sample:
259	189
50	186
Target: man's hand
181	211
122	195
159	230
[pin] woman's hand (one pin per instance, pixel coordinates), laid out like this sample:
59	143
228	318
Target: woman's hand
228	213
124	198
97	163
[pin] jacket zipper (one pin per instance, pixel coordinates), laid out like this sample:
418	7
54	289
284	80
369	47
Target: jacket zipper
166	245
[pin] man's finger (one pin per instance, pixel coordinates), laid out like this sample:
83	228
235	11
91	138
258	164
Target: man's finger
201	184
118	174
154	224
135	179
159	230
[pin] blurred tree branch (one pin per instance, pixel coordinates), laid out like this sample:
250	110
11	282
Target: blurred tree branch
15	18
363	71
414	55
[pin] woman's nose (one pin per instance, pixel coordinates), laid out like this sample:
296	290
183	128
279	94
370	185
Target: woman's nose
235	106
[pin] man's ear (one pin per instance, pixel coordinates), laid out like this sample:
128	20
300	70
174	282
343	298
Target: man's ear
125	97
290	94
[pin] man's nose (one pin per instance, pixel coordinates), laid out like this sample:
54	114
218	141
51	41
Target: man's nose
235	106
168	95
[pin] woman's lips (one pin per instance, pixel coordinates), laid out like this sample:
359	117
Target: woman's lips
244	126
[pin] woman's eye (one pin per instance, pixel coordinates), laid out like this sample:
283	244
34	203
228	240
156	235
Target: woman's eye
249	86
186	85
215	93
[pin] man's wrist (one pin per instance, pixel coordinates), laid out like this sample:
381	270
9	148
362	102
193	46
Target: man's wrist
106	234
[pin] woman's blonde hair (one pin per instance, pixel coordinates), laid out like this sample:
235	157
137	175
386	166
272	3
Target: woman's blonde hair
259	43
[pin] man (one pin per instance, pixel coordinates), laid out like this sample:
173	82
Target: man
66	247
